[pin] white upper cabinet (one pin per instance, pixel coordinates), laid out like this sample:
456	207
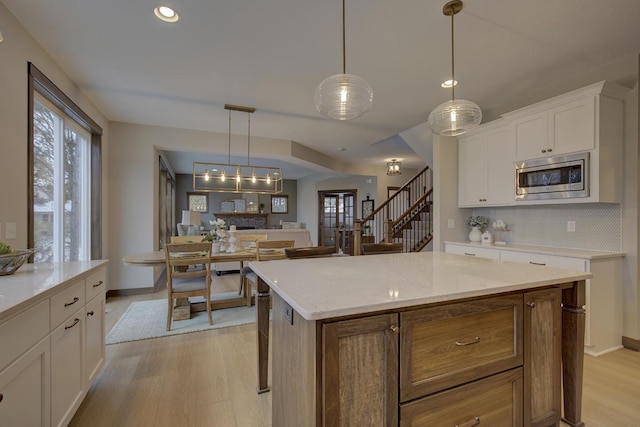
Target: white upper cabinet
585	120
485	164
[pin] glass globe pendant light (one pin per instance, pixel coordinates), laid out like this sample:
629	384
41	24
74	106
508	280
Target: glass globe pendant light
457	116
343	96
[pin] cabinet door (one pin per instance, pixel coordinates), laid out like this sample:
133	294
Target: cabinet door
472	167
360	372
532	136
25	396
94	338
542	352
500	169
67	368
572	126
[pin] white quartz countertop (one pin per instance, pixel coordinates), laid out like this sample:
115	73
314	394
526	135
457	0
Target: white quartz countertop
322	288
545	250
33	283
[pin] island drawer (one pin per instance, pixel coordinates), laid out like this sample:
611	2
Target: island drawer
493	401
449	345
67	302
95	284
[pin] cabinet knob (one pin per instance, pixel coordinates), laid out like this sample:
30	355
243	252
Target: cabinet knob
474	422
90	313
395	329
544	151
549	150
532	304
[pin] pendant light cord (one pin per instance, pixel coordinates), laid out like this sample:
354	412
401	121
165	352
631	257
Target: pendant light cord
453	76
344	43
248	139
229	158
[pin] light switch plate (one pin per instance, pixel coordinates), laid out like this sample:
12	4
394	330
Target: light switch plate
10	230
571	226
451	223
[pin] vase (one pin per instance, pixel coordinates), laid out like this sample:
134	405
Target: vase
215	247
475	235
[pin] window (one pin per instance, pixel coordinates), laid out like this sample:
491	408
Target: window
64	158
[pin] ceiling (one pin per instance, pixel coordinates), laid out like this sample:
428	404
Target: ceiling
272	54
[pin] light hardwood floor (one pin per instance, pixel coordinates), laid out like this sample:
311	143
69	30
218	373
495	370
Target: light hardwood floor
209	378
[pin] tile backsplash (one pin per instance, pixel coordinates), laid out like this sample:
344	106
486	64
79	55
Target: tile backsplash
598	226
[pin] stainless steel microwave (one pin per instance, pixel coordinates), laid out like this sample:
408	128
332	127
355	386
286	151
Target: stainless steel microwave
559	177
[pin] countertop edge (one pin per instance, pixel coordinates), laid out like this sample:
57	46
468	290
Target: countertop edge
33	300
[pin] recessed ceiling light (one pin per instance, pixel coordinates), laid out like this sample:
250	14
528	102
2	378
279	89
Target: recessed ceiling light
166	14
447	83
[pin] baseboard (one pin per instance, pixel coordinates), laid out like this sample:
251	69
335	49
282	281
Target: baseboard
160	283
631	343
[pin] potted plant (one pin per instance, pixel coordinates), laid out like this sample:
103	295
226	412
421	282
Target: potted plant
216	234
261	207
477	224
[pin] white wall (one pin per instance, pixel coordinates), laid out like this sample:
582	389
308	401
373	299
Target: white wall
17	49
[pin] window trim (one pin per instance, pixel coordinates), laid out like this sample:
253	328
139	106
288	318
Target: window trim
38	82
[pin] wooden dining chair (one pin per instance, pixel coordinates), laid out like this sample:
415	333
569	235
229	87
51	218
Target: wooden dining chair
265	251
248	241
382	248
188	274
312	252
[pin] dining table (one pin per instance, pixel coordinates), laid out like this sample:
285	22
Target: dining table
184	308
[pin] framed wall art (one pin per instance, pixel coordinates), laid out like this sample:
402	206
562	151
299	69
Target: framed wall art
198	202
279	204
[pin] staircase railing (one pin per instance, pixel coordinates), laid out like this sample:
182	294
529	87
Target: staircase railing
402	211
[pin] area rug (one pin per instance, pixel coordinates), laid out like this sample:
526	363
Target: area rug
148	319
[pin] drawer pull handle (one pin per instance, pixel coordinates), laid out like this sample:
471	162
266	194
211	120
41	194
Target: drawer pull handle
98	284
395	329
476	340
90	313
1	397
532	304
75	322
474	422
537	263
75	300
469	254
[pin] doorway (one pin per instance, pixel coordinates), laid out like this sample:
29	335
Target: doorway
337	210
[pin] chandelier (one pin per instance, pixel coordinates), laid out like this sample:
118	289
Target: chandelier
458	116
237	178
394	167
343	96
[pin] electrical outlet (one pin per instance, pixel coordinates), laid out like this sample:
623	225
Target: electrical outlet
10	230
571	226
451	223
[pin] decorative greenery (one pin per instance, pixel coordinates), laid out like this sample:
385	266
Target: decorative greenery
5	249
478	221
218	232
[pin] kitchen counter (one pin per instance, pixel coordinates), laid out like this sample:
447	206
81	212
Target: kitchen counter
323	288
546	250
33	283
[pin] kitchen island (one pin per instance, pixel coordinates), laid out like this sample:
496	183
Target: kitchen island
421	339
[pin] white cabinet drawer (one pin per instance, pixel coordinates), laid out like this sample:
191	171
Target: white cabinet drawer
95	284
21	332
575	264
67	302
472	251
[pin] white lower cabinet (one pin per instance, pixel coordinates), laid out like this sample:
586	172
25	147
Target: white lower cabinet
57	350
25	396
94	339
67	368
603	308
